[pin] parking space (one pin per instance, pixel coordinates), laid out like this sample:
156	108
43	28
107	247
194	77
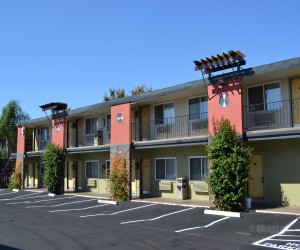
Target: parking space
163	223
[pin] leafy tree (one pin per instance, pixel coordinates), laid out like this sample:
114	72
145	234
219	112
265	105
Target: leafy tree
141	89
12	115
229	165
53	161
114	94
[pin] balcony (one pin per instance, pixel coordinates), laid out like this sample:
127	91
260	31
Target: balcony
87	138
175	127
273	115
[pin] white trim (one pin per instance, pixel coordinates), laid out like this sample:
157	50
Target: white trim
189	166
165	158
85	169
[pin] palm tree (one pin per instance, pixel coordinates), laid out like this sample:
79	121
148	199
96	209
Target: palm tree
12	115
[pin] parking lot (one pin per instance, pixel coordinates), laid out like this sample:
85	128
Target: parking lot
34	220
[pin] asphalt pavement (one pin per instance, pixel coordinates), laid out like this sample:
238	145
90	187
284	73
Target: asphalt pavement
34	220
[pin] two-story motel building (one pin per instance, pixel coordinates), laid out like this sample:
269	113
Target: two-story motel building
163	134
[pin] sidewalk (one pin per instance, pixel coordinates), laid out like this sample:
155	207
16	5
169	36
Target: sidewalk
257	207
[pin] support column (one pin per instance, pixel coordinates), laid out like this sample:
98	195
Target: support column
20	156
121	135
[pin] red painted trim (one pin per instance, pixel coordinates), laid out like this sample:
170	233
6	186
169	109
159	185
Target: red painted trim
58	131
121	131
233	110
21	138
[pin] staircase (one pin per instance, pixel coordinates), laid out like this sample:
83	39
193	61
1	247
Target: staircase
7	168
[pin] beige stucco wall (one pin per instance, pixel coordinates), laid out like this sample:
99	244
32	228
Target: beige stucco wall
281	169
182	155
101	182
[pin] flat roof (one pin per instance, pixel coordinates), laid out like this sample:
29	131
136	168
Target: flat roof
263	69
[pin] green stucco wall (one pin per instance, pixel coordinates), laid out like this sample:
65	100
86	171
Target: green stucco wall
281	167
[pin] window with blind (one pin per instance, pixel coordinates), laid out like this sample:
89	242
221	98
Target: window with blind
164	113
165	169
198	108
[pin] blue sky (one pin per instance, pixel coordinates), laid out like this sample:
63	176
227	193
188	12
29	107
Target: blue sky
74	50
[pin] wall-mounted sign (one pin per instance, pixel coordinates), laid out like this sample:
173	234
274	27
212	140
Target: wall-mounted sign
57	128
120	117
224	100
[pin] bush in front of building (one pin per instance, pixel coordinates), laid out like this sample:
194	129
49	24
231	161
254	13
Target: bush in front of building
15	182
119	179
53	161
229	167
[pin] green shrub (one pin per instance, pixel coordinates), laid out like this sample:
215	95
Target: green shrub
53	161
119	183
229	165
15	182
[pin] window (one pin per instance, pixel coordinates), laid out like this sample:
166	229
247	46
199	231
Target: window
91	125
108	118
198	108
107	169
164	113
44	134
198	168
165	169
264	97
91	169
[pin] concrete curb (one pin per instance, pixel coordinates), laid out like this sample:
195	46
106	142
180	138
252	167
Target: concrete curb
108	202
88	196
170	204
274	212
222	213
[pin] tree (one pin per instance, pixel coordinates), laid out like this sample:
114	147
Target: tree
53	161
119	179
114	94
12	115
229	165
141	89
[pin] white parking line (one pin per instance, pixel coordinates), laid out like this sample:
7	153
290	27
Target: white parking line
24	198
63	204
32	202
25	195
7	193
122	211
208	225
285	243
159	217
77	209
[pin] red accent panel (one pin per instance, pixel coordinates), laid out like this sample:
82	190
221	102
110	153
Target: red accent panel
21	140
58	131
121	131
233	110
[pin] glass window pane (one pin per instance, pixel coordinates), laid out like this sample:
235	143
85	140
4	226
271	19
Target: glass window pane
204	168
195	168
256	98
88	126
160	169
272	96
88	169
194	108
108	122
158	114
95	170
170	169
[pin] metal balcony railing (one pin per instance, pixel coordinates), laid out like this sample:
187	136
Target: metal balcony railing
166	128
272	115
87	138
